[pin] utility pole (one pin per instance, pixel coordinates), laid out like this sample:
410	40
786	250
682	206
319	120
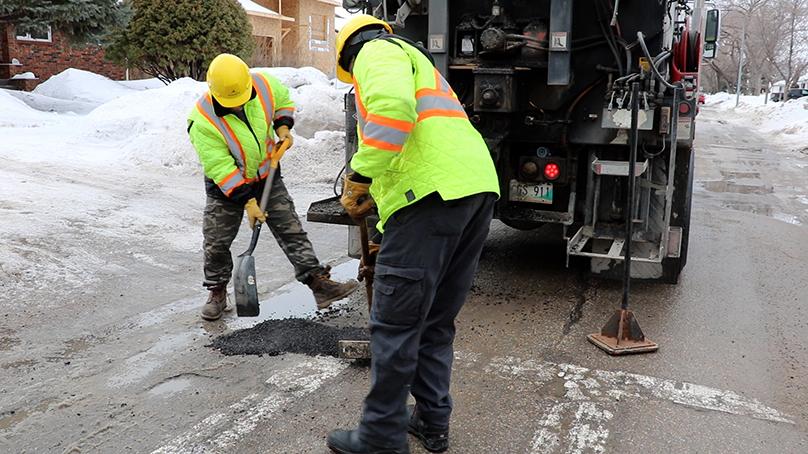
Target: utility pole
740	63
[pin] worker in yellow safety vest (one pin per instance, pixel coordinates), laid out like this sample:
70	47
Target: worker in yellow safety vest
429	172
234	128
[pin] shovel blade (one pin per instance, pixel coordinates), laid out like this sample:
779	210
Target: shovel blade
353	349
245	287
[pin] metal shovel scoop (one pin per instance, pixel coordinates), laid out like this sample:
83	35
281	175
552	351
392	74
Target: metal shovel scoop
244	282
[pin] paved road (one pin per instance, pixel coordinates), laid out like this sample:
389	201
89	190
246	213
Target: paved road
124	367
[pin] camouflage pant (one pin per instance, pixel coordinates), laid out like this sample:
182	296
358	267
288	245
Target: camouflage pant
221	224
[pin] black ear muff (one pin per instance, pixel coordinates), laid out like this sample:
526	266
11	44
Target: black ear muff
355	42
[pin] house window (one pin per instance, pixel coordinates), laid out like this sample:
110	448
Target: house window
41	34
319	28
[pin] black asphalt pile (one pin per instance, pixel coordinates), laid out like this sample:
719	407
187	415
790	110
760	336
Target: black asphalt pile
292	335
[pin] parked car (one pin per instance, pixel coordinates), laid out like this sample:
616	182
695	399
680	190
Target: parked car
792	93
796	93
702	98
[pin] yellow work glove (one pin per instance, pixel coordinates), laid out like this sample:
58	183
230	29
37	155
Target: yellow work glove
283	133
254	212
356	198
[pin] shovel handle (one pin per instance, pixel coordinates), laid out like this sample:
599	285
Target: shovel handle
365	239
274	159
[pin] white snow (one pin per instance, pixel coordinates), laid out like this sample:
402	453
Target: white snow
788	120
24	76
79	85
252	7
92	166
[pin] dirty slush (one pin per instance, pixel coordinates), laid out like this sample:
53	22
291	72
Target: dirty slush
292	335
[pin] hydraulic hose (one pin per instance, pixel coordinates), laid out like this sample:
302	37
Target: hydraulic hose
654	69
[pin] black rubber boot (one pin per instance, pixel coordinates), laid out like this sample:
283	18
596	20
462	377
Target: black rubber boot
433	439
348	442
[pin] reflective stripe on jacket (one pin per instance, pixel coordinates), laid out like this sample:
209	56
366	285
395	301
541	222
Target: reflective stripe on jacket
414	135
232	152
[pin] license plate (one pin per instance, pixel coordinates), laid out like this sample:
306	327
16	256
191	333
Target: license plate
531	193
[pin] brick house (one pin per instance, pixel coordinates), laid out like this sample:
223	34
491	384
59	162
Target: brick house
293	32
46	53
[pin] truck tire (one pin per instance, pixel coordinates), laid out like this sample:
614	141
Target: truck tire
680	211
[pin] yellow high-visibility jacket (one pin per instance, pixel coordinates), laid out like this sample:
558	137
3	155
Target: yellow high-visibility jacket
414	135
234	153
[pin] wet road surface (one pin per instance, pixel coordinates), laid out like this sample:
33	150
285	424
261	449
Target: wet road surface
125	366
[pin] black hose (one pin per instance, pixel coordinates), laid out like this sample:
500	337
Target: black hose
654	70
609	40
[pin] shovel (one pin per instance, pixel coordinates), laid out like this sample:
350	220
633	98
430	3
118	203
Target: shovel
244	282
360	349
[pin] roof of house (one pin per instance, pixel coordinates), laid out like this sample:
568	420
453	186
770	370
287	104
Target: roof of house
255	9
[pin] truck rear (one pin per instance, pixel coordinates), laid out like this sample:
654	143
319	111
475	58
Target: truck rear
548	85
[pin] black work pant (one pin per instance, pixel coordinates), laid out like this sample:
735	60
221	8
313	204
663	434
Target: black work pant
424	270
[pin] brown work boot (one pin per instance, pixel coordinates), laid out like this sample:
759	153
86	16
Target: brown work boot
327	291
216	304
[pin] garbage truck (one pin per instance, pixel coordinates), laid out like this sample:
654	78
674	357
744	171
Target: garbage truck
548	84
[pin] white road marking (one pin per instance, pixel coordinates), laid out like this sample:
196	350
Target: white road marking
221	431
580	418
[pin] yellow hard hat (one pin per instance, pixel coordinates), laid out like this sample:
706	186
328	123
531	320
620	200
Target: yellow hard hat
352	26
229	80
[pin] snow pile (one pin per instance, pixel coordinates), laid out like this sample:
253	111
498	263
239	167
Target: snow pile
24	76
145	122
150	126
143	84
318	108
78	85
726	101
315	160
297	77
318	103
788	120
47	104
14	112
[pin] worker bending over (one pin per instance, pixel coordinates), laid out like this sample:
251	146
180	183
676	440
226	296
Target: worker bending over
434	183
233	128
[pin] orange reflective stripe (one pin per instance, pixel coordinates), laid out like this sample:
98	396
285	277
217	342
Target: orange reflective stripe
235	137
285	112
401	125
233	180
432	92
441	113
205	107
382	145
267	98
359	106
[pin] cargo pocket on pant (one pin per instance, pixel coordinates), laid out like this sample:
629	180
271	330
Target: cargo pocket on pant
398	294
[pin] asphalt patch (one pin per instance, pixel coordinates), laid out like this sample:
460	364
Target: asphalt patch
291	335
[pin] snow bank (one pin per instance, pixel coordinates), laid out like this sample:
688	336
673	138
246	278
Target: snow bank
788	120
78	85
145	122
150	126
47	104
143	84
24	76
14	112
315	160
726	101
318	108
297	77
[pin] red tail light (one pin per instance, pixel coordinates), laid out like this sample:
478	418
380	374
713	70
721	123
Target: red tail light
552	171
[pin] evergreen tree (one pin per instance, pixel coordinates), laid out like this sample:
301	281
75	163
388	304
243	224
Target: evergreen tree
180	40
82	20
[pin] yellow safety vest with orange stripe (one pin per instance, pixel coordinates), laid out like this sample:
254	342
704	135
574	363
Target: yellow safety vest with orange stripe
414	135
232	152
